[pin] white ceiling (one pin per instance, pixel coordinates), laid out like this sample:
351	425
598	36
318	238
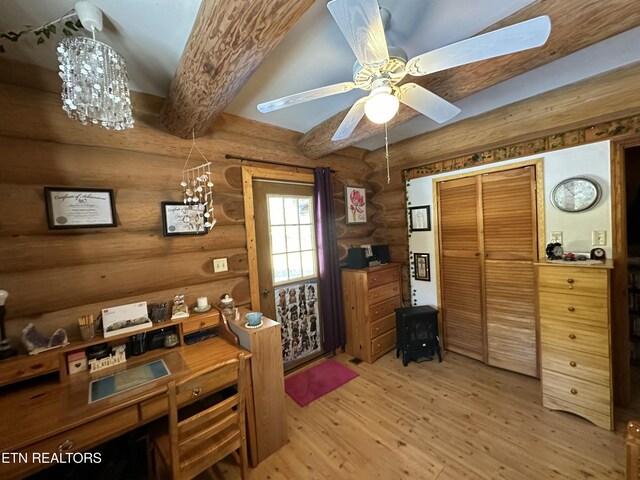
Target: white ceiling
151	34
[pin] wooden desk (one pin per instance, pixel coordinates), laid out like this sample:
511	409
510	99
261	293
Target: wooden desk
49	416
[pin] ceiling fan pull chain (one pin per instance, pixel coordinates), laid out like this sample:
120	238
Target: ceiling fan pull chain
386	151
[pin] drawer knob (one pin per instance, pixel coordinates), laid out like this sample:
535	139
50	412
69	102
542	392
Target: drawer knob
574	391
572	309
196	391
573	364
572	336
569	281
202	323
65	446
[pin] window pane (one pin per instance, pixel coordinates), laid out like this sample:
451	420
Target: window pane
278	244
276	211
308	263
291	210
306	237
305	211
295	269
280	268
293	239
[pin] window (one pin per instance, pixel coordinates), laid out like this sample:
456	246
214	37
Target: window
292	238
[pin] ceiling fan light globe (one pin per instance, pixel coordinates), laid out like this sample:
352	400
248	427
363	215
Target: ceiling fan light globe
381	106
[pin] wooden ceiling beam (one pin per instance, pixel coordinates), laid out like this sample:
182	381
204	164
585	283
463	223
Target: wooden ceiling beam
575	24
228	42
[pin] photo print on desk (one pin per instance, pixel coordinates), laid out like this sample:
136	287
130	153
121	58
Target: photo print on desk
297	312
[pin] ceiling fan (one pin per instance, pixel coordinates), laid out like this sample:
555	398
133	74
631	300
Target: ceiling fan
380	68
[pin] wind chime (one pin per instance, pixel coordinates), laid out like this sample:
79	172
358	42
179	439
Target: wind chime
197	190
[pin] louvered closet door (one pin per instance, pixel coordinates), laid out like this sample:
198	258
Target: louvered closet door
510	247
461	285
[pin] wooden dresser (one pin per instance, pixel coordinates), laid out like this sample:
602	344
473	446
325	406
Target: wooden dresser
370	297
575	339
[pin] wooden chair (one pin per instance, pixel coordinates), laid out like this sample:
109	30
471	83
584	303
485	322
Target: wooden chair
633	450
193	444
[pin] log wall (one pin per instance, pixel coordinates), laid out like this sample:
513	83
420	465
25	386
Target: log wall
54	276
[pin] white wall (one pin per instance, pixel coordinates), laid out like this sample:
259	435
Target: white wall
592	160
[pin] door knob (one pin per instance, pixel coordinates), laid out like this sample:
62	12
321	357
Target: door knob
265	292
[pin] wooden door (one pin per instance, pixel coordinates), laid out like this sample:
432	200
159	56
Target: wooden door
510	248
287	265
460	274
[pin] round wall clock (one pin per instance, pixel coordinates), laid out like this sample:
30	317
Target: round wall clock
576	194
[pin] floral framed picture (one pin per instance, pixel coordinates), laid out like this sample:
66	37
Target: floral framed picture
356	205
421	267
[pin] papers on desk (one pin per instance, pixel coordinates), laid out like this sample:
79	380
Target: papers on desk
123	381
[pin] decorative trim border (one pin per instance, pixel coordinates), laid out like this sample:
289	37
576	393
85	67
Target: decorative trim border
594	133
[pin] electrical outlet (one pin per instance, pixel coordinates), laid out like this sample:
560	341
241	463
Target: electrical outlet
220	265
556	237
599	238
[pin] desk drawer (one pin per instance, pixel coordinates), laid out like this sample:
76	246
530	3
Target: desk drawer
592	310
382	343
381	277
21	368
383	325
383	292
200	322
575	336
382	309
577	280
86	436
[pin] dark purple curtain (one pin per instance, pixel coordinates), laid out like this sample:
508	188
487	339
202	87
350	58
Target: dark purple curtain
329	280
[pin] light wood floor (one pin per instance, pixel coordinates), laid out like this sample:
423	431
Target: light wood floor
448	421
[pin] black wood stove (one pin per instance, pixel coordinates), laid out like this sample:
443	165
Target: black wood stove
417	333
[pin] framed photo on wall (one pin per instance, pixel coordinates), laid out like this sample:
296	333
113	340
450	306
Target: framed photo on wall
356	204
80	207
420	219
421	270
181	219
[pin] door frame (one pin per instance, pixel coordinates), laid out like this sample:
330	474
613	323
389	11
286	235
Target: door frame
538	164
248	175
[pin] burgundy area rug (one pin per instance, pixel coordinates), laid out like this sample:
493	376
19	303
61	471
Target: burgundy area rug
310	384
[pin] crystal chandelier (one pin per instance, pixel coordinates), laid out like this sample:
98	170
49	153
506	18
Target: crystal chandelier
94	77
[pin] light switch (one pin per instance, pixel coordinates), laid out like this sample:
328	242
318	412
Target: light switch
220	265
599	238
556	237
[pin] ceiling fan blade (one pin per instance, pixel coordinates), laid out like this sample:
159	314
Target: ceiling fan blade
361	24
521	36
302	97
427	103
350	122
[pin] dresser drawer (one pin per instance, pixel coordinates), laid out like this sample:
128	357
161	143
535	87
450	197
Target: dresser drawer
383	276
578	392
383	325
592	368
577	280
84	437
383	292
592	310
575	336
20	368
383	309
383	342
201	321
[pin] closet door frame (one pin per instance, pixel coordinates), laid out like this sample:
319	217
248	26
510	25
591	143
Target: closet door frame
539	200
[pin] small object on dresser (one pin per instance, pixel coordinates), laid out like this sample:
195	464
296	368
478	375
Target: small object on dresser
229	310
179	309
598	254
158	312
36	343
87	327
77	362
554	251
254	319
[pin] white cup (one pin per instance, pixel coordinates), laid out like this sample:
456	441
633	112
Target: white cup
203	302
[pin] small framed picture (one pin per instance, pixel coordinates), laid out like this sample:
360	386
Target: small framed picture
181	219
80	207
421	268
420	219
356	204
368	250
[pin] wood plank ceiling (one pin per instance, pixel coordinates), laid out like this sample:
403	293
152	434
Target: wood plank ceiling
230	39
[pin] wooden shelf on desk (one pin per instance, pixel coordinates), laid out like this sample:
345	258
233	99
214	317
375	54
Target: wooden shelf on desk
24	366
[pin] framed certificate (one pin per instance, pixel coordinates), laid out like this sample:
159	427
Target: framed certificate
80	207
181	219
420	219
421	267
